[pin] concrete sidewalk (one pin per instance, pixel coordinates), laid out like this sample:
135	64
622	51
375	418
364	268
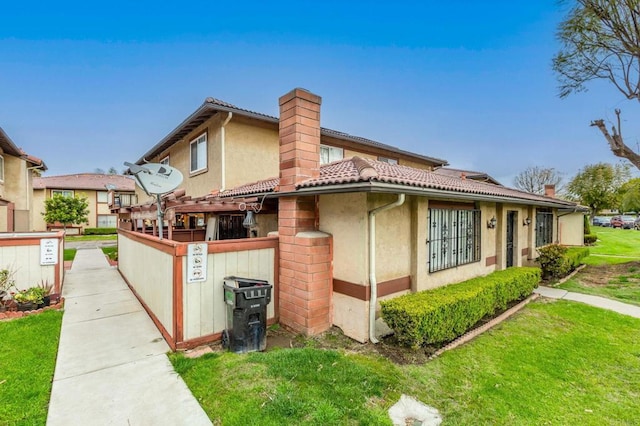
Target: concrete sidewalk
600	302
112	367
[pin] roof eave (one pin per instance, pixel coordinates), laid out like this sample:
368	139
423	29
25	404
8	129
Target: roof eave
381	187
8	146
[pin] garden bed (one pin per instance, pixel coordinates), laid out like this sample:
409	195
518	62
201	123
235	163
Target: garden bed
11	314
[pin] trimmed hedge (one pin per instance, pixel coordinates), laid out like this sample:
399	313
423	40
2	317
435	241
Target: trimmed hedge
575	256
590	239
100	231
444	313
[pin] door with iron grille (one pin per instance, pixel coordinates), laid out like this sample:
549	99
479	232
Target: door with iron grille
511	221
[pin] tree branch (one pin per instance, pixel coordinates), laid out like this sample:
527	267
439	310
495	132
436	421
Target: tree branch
616	143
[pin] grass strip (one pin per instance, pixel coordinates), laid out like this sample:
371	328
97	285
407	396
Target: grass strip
28	348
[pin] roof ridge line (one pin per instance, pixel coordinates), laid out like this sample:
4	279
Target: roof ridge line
365	169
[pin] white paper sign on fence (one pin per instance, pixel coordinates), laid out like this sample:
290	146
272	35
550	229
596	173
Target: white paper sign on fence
196	262
49	251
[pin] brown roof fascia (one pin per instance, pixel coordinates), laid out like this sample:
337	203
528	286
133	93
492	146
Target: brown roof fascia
8	146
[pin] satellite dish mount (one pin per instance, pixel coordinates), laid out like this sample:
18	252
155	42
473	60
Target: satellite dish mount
156	179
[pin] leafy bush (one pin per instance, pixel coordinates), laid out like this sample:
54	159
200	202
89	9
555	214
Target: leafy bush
590	239
442	314
552	261
100	231
556	260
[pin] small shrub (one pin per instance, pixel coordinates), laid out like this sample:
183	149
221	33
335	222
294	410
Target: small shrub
100	231
442	314
587	225
552	261
590	239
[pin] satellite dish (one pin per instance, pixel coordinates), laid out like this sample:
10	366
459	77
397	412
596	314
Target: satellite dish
156	178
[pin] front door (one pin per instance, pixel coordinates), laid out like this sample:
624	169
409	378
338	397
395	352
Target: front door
511	221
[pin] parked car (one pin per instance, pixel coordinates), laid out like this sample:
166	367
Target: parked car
623	221
602	221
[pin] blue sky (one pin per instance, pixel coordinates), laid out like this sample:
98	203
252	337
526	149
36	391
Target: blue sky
87	86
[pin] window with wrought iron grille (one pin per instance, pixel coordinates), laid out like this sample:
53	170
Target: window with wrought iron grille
544	228
454	238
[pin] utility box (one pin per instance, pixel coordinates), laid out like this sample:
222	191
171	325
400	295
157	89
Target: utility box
246	300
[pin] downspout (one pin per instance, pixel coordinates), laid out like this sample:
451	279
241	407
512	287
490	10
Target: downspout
223	164
373	284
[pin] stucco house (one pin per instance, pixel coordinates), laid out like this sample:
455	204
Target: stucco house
17	171
356	220
96	187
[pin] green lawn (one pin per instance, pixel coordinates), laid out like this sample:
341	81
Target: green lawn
553	363
69	254
112	252
614	257
614	246
28	348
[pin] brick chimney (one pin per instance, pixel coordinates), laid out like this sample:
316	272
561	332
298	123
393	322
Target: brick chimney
299	138
550	191
306	255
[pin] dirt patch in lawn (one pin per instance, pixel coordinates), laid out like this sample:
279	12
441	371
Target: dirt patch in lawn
603	275
278	337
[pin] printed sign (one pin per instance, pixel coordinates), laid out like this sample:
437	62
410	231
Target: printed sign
48	251
196	262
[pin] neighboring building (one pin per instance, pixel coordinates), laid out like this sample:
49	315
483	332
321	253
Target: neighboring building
17	171
357	220
96	187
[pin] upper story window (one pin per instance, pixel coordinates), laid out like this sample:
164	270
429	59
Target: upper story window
63	192
198	153
544	228
388	160
330	154
1	168
102	196
165	160
454	238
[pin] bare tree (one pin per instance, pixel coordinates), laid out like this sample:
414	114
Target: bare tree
534	178
601	41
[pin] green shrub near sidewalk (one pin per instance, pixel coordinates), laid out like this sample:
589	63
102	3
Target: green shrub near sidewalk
100	231
442	314
556	261
590	239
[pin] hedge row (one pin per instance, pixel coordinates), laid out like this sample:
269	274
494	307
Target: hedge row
442	314
100	231
575	256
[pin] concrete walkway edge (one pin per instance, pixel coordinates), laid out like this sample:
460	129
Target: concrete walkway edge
112	367
597	301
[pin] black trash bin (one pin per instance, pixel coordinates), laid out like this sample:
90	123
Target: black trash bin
246	300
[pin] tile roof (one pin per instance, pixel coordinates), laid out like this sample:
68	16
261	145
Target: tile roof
213	105
94	181
469	174
262	186
360	170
